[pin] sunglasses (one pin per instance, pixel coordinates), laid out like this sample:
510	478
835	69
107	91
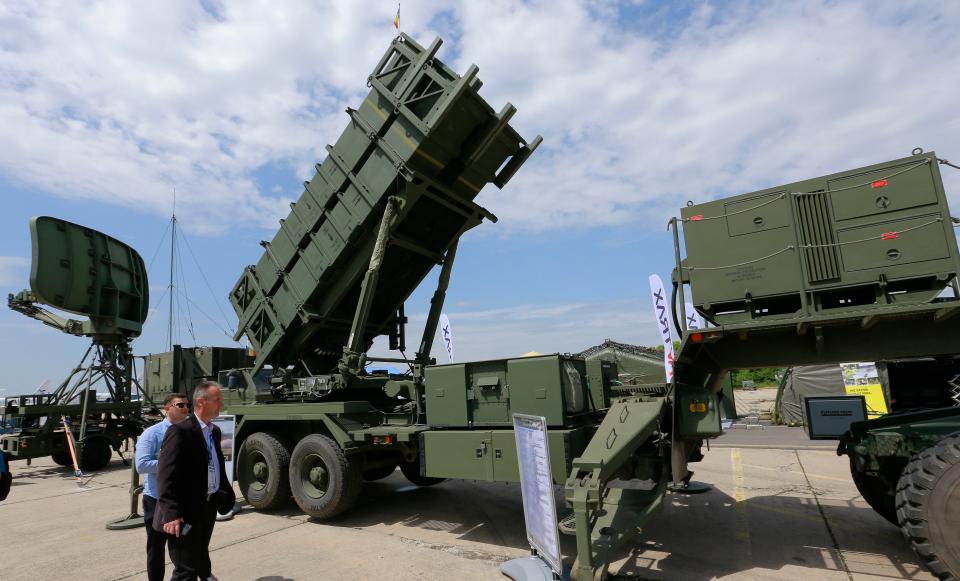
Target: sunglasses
182	404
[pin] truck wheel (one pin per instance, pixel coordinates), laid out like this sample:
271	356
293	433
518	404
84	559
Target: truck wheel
95	453
411	470
323	480
877	494
379	473
928	506
262	471
62	458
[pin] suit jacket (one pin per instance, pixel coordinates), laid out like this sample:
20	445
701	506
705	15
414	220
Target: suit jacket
6	477
182	474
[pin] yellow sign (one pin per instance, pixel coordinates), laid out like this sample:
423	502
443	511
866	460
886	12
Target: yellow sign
861	378
873	394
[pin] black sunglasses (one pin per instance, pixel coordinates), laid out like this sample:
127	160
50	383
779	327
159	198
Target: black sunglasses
182	404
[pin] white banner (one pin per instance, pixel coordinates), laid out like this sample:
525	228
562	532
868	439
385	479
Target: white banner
694	320
227	425
446	333
660	306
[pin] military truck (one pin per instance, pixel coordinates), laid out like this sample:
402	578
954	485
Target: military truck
844	267
388	204
835	268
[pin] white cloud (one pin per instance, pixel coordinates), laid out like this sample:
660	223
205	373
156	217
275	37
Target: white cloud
742	99
14	271
513	331
121	102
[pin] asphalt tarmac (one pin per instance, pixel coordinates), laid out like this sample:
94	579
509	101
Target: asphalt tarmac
781	507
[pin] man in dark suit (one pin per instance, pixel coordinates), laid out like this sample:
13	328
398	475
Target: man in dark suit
193	485
6	477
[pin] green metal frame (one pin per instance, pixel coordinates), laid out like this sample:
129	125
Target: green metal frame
896	437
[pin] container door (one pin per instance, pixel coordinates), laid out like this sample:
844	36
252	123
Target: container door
466	455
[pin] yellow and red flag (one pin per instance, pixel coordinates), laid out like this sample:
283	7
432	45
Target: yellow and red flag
396	19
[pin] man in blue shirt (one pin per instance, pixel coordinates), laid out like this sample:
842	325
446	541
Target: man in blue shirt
176	408
193	486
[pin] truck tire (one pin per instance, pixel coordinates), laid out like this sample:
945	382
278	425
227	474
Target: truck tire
877	494
411	470
379	473
323	480
263	467
928	506
95	453
62	458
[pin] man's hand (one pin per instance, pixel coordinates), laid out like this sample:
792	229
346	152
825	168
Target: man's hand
173	527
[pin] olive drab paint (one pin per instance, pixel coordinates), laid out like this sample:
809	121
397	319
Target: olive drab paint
422	144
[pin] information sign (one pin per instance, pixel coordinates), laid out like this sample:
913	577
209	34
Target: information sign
227	425
536	485
862	378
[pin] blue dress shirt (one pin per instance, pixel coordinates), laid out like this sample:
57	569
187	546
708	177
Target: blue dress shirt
148	455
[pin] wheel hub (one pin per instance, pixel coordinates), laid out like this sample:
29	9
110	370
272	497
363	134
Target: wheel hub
318	475
315	477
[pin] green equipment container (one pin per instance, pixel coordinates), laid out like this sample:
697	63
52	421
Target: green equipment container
492	454
180	370
877	235
488	393
423	135
699	413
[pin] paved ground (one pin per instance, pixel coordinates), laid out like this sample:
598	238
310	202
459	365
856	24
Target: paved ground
782	508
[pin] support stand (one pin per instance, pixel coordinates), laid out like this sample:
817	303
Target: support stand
689	487
682	484
532	568
134	519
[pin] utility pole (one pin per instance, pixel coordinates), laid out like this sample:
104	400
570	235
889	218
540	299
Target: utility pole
173	243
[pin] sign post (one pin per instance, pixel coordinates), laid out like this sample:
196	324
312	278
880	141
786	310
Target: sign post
228	426
539	504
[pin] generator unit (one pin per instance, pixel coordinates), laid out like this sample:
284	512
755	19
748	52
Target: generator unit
876	235
488	393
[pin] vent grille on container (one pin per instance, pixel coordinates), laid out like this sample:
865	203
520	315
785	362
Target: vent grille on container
816	231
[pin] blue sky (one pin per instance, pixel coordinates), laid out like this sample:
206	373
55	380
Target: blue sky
108	106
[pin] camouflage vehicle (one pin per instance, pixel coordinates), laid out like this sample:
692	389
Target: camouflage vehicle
816	271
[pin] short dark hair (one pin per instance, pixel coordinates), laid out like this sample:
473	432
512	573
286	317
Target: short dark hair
172	396
203	388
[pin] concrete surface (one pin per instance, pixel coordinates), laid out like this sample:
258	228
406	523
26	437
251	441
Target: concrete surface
782	508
